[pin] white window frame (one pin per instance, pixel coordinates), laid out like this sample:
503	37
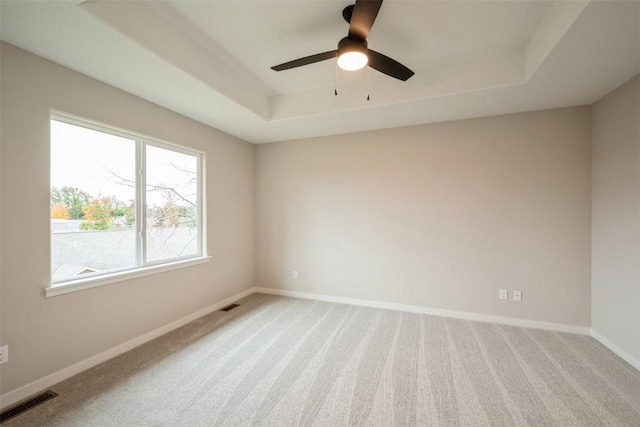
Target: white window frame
142	267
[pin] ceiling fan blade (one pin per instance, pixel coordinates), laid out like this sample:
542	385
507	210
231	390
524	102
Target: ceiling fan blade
306	60
362	18
388	66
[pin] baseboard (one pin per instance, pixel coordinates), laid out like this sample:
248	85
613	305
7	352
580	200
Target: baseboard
433	311
617	350
36	386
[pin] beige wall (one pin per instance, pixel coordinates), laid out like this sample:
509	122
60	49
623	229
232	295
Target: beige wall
616	217
439	215
48	334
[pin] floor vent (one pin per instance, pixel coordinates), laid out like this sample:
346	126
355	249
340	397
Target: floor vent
25	406
230	307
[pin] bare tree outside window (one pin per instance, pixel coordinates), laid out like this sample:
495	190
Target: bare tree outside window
171	202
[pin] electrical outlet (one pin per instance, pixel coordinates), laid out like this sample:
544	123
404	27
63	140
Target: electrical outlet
517	296
4	354
503	294
295	274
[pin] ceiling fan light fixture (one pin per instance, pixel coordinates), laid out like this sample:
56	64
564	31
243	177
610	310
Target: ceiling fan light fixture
352	61
352	54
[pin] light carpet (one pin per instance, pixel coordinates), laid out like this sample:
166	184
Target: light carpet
278	361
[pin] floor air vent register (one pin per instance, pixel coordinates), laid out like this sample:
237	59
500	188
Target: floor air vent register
23	407
230	307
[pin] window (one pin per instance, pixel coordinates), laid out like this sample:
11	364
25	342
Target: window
120	202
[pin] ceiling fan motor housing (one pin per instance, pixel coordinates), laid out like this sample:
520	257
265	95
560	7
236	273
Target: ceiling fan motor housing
349	44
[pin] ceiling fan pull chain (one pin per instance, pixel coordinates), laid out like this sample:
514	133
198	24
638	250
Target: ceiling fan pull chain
368	97
335	90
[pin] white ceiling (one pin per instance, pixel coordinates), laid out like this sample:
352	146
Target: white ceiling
210	60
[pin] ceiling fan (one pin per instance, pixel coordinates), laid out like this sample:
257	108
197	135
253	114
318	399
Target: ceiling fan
353	53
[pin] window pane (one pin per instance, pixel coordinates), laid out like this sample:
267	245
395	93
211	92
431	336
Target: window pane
92	202
172	190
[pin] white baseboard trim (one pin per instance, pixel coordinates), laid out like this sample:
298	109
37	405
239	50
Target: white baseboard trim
617	350
37	386
433	311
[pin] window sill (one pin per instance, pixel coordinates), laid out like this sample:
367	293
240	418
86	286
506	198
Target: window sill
82	284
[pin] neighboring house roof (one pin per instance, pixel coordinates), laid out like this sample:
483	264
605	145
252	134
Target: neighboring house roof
68	270
65	225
